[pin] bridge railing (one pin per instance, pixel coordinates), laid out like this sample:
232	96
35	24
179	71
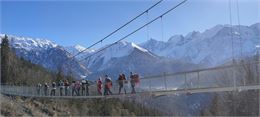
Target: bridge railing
240	74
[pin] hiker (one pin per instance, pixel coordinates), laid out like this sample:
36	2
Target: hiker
99	86
77	87
121	80
73	85
46	89
108	85
84	87
38	87
66	84
61	85
53	89
134	79
87	89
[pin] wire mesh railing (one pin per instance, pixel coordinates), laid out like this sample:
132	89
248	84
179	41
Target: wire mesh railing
236	75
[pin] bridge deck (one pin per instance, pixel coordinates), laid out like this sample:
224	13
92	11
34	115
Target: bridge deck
225	78
153	93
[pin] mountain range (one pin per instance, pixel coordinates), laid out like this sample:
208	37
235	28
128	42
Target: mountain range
209	48
47	54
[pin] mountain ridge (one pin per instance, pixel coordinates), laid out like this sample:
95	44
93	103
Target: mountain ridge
47	54
214	43
211	47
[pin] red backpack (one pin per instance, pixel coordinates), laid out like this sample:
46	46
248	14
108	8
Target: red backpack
136	78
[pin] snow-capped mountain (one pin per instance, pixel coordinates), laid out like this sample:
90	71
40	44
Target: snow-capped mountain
211	47
78	48
126	57
118	50
75	49
47	54
30	43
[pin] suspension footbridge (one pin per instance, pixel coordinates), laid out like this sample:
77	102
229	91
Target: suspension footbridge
218	79
235	77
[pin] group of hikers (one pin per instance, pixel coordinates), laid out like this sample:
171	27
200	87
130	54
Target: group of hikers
81	88
63	87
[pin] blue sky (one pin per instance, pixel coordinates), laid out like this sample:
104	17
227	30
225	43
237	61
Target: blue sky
85	22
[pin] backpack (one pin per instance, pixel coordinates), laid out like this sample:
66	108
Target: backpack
123	76
39	85
60	83
108	83
66	84
120	78
87	82
53	84
136	78
46	86
83	81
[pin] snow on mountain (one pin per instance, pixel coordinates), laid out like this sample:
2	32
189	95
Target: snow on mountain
211	47
126	57
47	54
30	43
78	48
155	46
209	33
120	49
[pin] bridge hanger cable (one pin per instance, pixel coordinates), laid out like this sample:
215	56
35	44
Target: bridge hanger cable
147	27
179	4
118	29
162	31
231	30
240	38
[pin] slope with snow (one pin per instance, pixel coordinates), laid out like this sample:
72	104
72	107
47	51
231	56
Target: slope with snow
73	50
47	54
29	43
211	47
118	50
126	57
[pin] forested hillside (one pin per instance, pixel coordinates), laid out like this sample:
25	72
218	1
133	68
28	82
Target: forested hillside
15	70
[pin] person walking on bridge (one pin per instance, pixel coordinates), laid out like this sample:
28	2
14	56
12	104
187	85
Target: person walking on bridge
84	87
108	85
134	79
61	86
77	86
99	86
121	80
66	84
39	86
46	87
73	86
53	90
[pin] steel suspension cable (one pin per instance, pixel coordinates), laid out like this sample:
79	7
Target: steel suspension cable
137	29
231	30
118	29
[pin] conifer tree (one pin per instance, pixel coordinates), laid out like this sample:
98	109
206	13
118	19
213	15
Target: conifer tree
5	50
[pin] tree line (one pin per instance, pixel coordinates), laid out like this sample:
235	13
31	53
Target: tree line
18	71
